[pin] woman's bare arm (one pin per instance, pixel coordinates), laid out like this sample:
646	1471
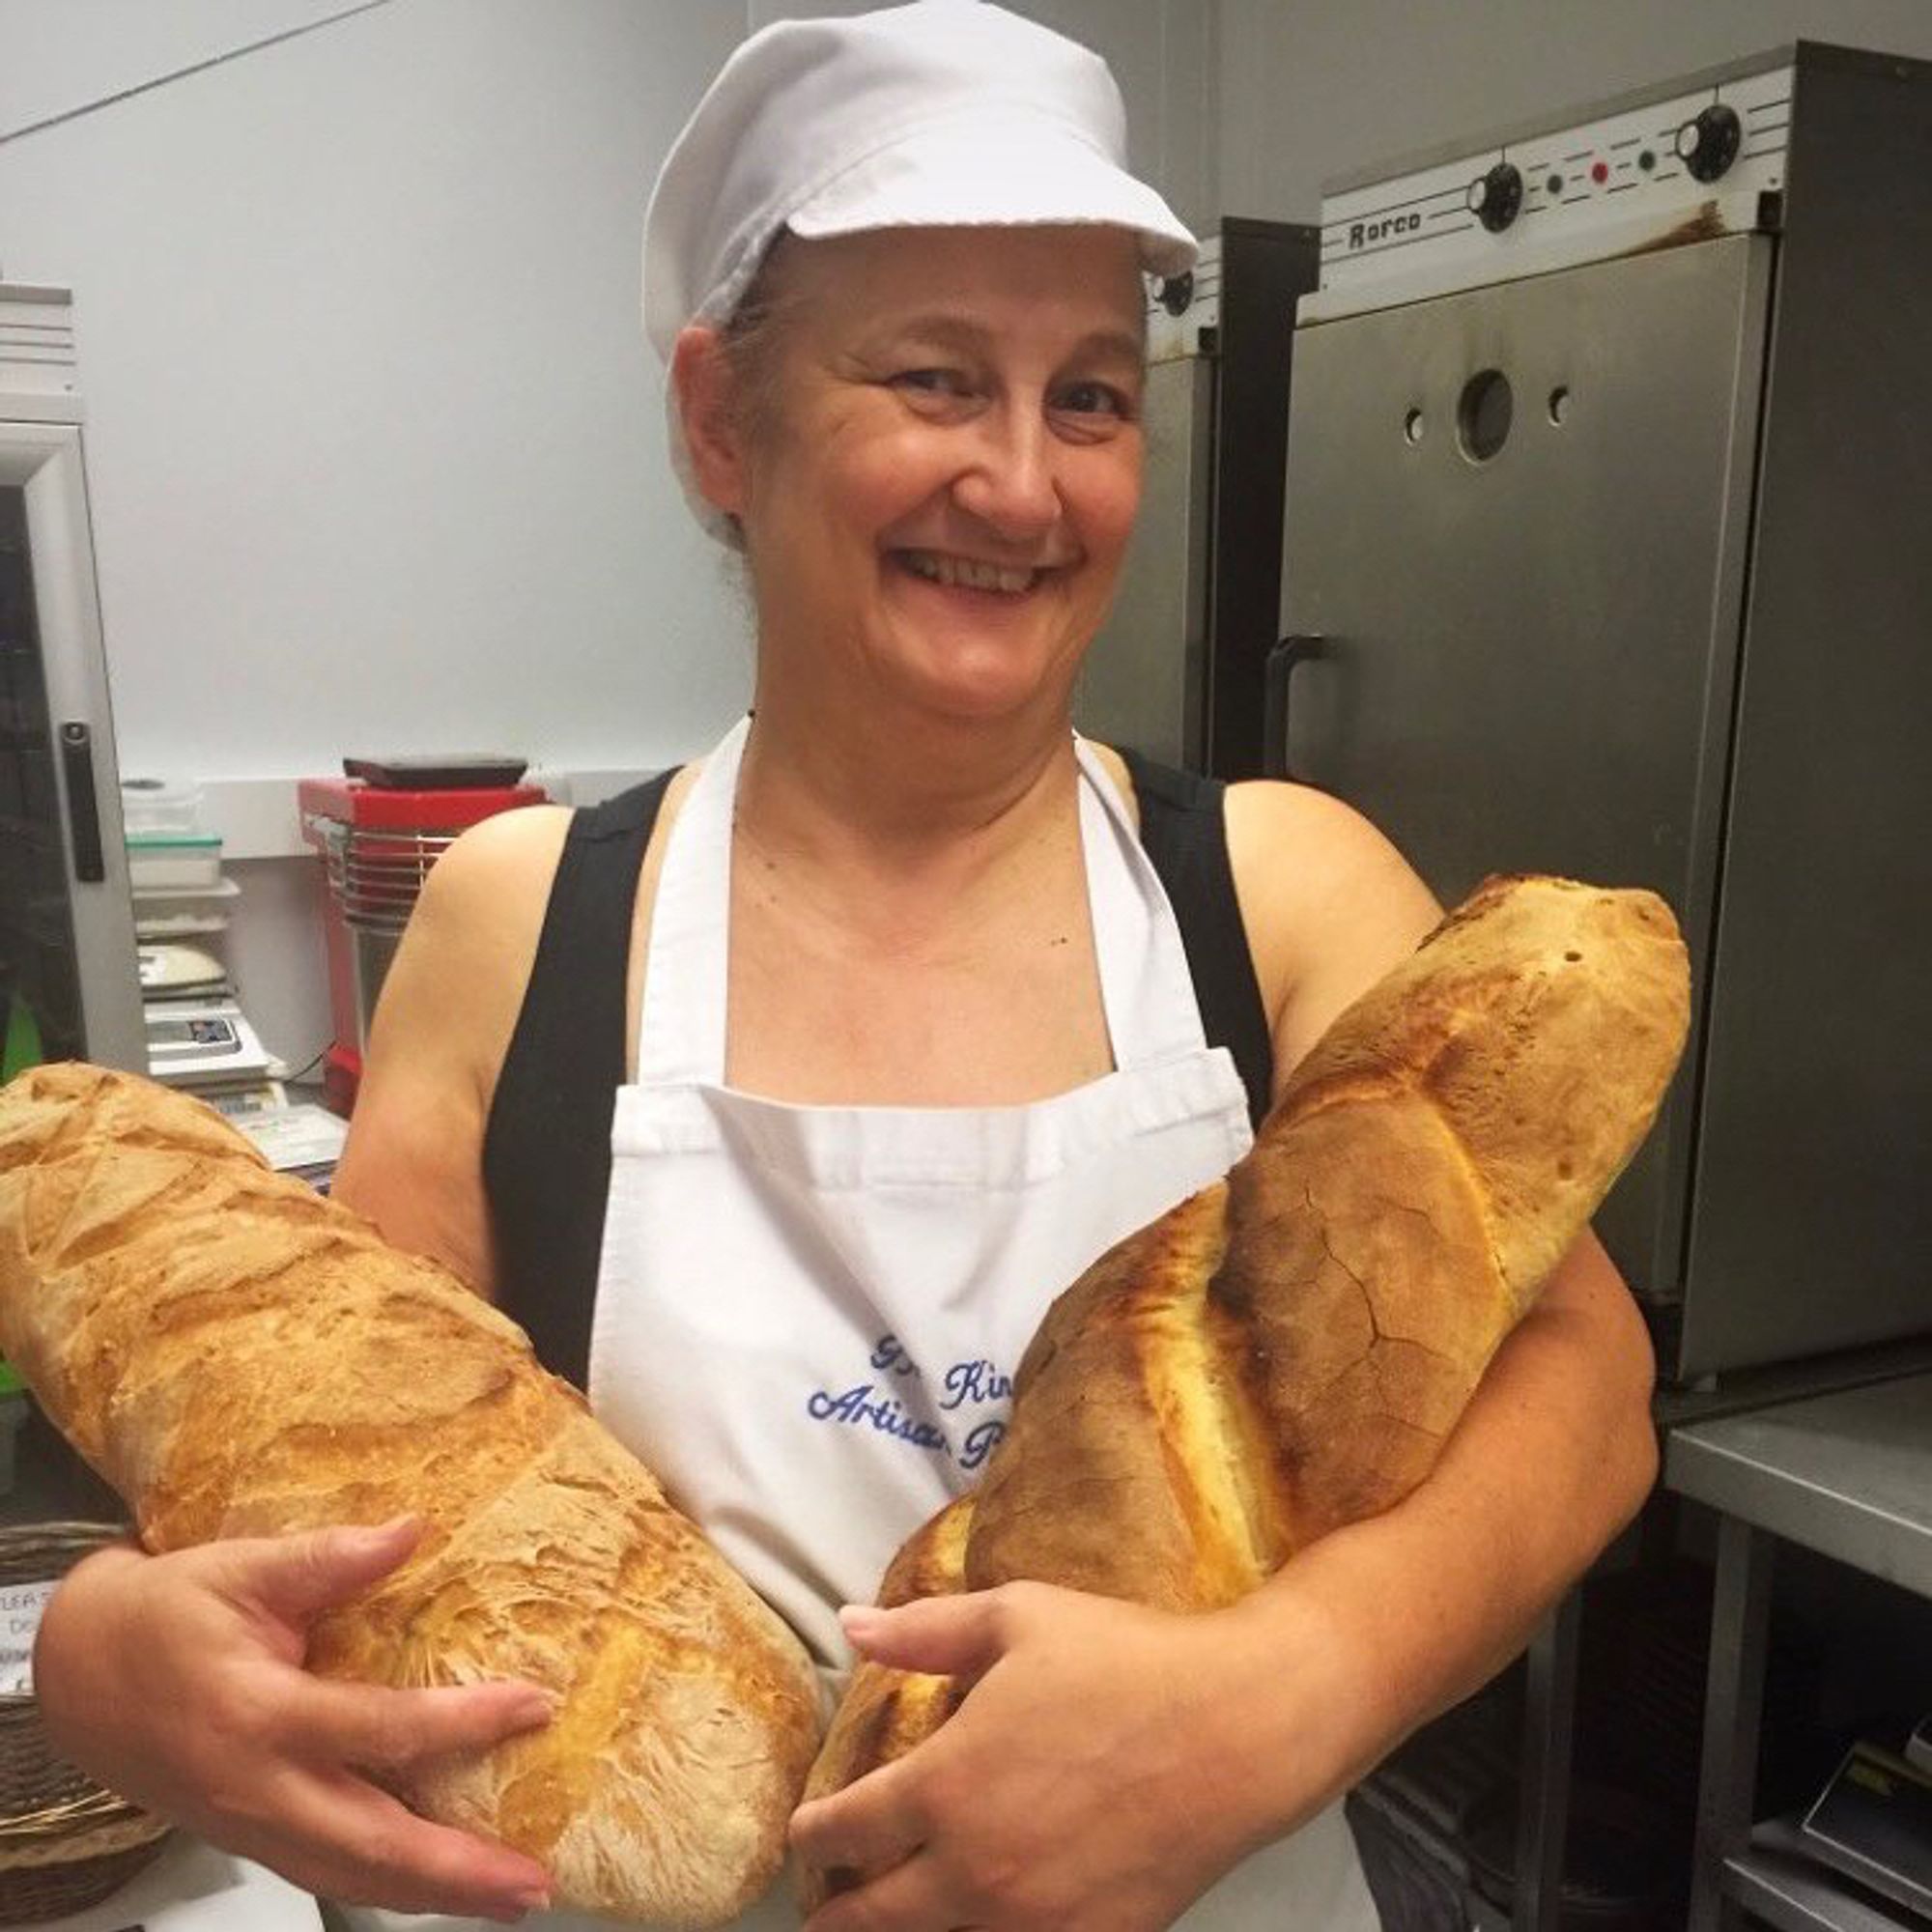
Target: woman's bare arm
413	1163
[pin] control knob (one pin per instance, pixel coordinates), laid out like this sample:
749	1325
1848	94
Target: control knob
1708	145
1495	199
1173	292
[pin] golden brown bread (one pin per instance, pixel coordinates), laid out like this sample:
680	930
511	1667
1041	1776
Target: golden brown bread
883	1712
238	1355
1288	1351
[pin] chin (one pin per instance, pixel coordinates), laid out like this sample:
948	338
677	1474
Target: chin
990	679
990	693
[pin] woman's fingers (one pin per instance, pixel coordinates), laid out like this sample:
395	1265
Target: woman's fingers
391	1730
908	1898
868	1828
341	1838
305	1802
295	1578
961	1635
277	1765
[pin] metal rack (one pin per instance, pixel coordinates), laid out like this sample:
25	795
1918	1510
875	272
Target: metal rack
378	844
1848	1475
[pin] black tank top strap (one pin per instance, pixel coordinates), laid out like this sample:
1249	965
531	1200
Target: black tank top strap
547	1143
1184	834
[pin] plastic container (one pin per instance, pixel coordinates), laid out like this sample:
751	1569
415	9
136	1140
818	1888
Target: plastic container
159	805
173	859
163	913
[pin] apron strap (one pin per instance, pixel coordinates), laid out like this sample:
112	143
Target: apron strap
1146	986
681	1026
1147	990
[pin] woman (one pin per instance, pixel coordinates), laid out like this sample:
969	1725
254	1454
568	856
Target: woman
909	1035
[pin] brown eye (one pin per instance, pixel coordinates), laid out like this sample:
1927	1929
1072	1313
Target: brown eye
931	382
1098	400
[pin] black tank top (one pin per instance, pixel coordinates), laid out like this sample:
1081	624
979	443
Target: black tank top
547	1144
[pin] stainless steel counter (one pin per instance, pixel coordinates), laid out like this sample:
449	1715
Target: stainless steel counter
1849	1475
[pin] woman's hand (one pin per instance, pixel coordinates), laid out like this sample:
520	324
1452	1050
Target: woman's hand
178	1682
1108	1765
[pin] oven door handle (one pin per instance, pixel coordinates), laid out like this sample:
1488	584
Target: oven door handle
1279	670
83	811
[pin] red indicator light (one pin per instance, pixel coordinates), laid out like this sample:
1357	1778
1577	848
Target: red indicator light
1599	172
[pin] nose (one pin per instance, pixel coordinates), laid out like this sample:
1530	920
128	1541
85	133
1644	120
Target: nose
1009	481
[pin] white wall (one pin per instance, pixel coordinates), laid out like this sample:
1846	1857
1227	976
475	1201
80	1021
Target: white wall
1315	88
374	440
65	55
372	434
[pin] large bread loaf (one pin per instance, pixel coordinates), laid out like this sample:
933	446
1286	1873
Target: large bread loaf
1288	1351
238	1356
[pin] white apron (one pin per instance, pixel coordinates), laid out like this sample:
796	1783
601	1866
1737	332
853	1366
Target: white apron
807	1318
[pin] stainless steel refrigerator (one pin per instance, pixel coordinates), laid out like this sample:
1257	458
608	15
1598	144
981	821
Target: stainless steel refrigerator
68	982
1609	552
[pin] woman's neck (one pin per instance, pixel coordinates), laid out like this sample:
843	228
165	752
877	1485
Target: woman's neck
914	807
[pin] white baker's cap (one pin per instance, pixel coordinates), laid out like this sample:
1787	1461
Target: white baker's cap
944	113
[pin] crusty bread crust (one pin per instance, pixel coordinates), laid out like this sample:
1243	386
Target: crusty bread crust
238	1356
1288	1351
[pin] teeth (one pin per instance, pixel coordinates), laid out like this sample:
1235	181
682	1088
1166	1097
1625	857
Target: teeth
938	568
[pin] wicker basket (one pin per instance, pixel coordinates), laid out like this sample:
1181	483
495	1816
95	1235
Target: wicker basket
64	1842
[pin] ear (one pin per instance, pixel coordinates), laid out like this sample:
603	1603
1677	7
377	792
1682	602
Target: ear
703	383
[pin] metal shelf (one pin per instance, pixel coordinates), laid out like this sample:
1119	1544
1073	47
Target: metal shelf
1848	1474
1789	1892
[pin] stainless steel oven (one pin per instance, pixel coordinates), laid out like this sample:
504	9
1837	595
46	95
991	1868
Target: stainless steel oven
1609	550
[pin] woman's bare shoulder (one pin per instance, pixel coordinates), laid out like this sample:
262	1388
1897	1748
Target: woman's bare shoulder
466	958
514	852
1328	902
448	1007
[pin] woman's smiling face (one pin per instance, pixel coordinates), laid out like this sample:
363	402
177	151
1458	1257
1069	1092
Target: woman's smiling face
937	477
